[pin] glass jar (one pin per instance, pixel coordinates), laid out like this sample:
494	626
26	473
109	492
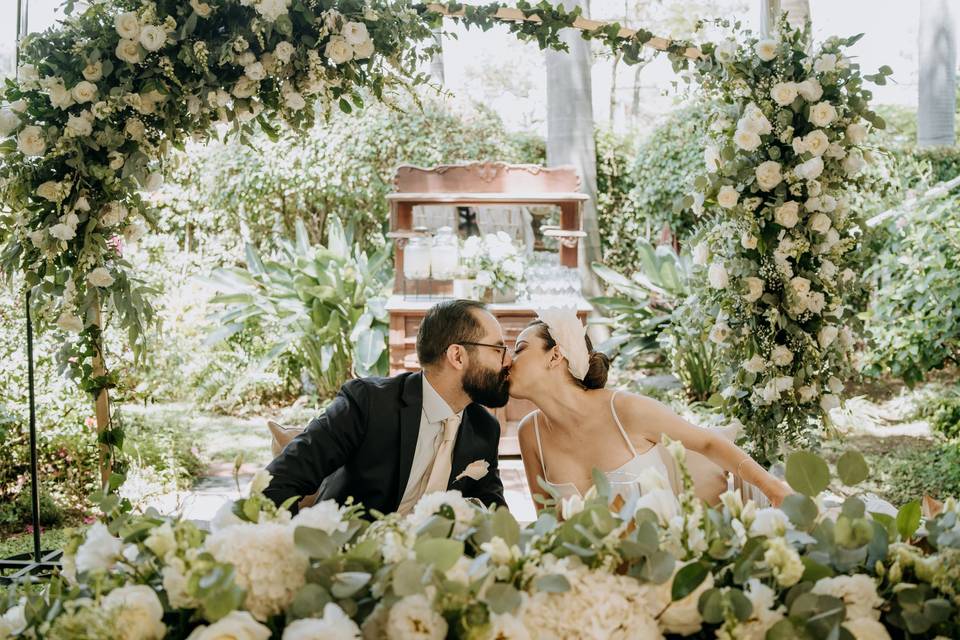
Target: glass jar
416	258
444	255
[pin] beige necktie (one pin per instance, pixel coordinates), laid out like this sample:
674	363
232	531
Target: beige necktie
440	473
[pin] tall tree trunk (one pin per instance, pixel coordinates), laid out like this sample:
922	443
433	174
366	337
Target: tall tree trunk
570	134
613	87
436	62
938	74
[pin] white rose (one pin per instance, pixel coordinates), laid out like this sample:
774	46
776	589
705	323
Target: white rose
807	393
828	203
725	51
60	97
355	32
284	51
30	141
81	125
768	175
202	9
711	158
363	50
700	254
856	133
334	625
244	88
338	50
836	387
769	522
255	71
134	129
799	146
754	120
836	151
116	160
84	91
828	402
756	364
127	25
854	162
867	629
717	275
746	140
50	190
128	51
99	550
810	89
787	214
8	122
826	62
100	277
236	625
153	37
14	621
816	142
294	101
154	181
70	322
272	9
766	50
812	204
826	336
754	289
816	301
784	93
748	240
484	279
137	612
414	617
62	231
93	72
811	169
820	223
720	332
781	356
727	197
822	114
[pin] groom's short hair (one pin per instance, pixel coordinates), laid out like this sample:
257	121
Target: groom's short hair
446	323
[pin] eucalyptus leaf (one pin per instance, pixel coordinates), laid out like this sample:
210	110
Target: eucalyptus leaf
807	473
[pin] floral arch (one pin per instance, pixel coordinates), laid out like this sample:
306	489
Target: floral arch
102	98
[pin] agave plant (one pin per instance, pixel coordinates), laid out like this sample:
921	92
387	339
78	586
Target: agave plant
646	310
327	301
641	305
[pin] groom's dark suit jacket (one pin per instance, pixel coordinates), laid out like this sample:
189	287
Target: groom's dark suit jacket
363	446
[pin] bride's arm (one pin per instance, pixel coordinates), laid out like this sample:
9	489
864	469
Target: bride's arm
651	419
531	459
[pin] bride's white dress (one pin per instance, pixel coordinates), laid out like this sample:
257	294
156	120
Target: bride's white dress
626	480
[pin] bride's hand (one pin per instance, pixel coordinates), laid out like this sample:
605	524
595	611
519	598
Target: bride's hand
778	491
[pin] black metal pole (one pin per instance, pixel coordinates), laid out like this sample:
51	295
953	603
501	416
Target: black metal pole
34	472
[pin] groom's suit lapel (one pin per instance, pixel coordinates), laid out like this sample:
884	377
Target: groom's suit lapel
412	401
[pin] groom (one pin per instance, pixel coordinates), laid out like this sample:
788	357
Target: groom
388	441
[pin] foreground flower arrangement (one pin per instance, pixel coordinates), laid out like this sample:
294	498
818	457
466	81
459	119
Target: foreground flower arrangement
585	569
788	142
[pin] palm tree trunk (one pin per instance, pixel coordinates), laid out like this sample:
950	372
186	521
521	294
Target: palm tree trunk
570	134
938	77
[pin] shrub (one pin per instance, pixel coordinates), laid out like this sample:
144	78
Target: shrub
914	319
658	178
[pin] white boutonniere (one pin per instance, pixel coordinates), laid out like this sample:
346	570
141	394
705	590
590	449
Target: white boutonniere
475	470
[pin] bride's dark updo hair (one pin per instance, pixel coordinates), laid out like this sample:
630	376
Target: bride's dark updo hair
598	367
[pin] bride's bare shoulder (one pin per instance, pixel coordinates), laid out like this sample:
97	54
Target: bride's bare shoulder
637	405
525	434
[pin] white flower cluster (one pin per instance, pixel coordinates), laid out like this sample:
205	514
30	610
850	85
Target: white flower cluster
494	259
793	147
351	43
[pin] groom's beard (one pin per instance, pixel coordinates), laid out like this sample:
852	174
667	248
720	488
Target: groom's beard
486	386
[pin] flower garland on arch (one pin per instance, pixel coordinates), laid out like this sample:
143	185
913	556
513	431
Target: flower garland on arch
103	97
788	140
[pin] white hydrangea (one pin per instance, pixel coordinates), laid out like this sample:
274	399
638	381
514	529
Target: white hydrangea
326	516
267	562
431	503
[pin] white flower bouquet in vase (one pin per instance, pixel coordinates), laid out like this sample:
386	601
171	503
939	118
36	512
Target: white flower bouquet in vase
496	264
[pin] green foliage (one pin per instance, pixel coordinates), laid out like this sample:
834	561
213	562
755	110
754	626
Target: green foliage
943	412
326	299
343	167
640	306
914	473
642	201
914	319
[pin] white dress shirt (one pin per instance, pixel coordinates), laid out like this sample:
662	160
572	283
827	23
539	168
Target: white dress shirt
435	411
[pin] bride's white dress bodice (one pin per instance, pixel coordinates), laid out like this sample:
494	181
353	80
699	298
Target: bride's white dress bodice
625	480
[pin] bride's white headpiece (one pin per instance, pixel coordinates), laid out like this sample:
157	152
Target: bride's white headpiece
568	332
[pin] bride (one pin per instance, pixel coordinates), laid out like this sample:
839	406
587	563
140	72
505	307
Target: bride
579	425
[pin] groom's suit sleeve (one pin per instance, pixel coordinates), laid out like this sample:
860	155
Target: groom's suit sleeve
325	445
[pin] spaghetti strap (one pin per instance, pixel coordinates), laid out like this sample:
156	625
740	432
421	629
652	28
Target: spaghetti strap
536	430
616	419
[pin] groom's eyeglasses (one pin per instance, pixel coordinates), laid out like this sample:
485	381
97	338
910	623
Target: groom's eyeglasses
501	347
